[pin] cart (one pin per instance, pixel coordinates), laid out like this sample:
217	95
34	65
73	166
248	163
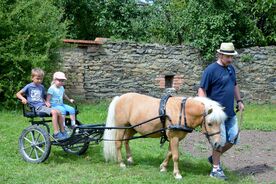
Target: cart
36	140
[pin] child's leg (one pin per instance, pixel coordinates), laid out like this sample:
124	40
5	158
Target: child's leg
61	122
61	115
55	121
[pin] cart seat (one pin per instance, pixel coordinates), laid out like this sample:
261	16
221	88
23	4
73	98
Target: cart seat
29	112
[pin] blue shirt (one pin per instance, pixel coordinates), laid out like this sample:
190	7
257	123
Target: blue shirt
57	95
219	83
35	94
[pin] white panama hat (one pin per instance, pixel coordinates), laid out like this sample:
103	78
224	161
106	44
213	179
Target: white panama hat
59	75
227	49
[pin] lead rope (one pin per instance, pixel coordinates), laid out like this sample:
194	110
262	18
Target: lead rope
240	121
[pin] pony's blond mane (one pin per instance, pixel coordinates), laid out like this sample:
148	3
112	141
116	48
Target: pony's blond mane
217	115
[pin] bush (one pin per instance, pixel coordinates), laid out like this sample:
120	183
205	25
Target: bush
31	32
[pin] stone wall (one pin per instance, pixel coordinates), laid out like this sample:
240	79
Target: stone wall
103	71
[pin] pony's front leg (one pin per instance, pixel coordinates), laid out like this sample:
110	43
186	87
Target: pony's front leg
118	143
174	142
164	165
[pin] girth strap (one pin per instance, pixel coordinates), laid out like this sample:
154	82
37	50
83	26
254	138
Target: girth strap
182	111
163	116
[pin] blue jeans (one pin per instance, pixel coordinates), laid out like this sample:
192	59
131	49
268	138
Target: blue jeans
229	131
64	108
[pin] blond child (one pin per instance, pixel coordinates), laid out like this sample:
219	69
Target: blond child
55	96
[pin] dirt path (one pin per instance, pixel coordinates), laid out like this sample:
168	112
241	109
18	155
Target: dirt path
255	155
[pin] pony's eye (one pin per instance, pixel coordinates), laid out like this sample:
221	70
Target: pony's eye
210	124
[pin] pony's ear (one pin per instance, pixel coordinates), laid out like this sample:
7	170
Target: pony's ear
210	111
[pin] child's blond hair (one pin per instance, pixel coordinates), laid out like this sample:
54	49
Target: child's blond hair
37	72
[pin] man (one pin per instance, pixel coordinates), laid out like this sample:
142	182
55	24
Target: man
219	83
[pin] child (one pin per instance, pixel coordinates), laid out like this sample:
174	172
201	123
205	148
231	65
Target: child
35	94
55	97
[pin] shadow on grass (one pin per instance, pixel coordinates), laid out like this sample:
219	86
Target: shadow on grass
92	155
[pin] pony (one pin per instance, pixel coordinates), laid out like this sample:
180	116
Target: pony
130	109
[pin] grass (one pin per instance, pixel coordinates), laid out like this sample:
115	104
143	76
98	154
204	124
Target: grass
259	117
61	167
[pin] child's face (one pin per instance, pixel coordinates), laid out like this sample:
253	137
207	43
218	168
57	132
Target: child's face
59	82
37	79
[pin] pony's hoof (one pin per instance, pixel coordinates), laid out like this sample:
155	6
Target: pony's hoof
178	176
130	161
122	165
163	168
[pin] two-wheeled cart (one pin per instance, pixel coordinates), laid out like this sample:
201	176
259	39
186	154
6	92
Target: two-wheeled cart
36	140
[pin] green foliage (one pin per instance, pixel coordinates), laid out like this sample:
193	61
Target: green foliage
30	34
31	31
202	24
246	58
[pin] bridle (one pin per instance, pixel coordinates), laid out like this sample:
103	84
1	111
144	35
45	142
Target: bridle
206	133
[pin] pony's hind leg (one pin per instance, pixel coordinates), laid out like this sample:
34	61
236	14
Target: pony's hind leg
118	143
129	135
164	165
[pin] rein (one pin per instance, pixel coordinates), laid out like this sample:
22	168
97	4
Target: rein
207	133
141	136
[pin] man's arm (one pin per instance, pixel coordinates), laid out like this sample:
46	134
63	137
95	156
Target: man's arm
201	92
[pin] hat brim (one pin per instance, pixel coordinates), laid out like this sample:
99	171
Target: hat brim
227	53
62	78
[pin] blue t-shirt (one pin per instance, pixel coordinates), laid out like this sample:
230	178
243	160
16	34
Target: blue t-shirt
35	94
219	83
57	95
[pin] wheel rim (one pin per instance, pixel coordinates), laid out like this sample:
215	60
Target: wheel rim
75	148
33	145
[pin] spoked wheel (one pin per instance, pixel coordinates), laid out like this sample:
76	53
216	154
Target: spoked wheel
34	144
77	148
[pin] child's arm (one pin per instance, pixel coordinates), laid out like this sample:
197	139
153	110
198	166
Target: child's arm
47	102
67	98
20	96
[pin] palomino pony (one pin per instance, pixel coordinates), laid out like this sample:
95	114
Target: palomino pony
132	108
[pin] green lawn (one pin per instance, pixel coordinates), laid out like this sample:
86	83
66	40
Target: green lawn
61	167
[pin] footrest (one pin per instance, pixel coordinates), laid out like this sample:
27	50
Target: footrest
180	128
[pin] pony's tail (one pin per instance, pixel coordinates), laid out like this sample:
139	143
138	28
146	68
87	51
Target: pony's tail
109	148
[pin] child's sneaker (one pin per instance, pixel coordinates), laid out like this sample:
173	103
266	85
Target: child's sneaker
58	136
66	129
73	126
65	134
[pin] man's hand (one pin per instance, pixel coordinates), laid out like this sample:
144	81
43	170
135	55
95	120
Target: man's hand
240	106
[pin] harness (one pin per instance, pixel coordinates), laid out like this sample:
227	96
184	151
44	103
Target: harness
178	126
163	116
